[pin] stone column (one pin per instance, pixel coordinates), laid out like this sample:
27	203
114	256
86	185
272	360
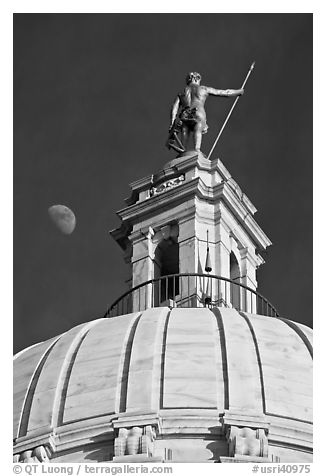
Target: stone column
142	268
248	269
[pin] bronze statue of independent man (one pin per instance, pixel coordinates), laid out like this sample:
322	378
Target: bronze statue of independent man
188	116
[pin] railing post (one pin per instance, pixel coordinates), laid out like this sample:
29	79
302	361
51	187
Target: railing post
245	299
188	290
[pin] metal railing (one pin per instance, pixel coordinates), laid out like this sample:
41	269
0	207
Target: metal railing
191	290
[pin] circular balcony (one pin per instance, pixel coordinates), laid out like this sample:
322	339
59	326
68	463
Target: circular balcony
191	290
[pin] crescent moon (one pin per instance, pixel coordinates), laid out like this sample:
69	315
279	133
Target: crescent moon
63	218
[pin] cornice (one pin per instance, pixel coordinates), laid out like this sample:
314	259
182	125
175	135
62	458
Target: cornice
166	173
224	192
152	204
196	187
170	170
282	432
121	234
128	420
74	436
28	442
181	165
69	436
244	420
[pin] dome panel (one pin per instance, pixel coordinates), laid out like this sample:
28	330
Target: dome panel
97	369
25	366
286	368
244	385
43	412
144	377
190	376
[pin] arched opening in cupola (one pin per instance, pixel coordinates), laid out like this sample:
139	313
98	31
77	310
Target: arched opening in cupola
166	262
235	278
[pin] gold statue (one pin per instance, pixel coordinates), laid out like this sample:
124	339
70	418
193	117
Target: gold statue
188	116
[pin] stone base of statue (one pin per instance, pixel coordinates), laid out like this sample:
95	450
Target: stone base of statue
187	155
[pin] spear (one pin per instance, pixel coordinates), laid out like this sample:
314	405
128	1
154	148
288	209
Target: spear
233	106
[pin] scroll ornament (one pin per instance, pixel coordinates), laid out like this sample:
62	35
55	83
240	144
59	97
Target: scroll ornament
40	454
247	441
135	440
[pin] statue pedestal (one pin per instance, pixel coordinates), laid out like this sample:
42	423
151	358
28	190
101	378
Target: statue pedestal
186	155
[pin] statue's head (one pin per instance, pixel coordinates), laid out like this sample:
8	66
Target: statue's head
193	77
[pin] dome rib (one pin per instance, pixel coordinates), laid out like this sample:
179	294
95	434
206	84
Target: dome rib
94	384
162	367
224	358
244	375
65	373
122	387
259	363
43	415
282	352
25	381
300	333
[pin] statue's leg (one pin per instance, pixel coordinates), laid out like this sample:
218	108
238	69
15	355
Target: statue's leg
185	137
197	137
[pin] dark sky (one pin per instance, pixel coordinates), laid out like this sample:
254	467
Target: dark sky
92	94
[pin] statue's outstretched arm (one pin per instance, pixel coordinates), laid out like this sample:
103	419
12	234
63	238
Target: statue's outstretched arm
225	92
174	110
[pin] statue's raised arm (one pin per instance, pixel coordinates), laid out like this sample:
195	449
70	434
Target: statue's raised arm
225	92
188	116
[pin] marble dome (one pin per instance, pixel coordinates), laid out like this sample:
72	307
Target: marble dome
195	385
